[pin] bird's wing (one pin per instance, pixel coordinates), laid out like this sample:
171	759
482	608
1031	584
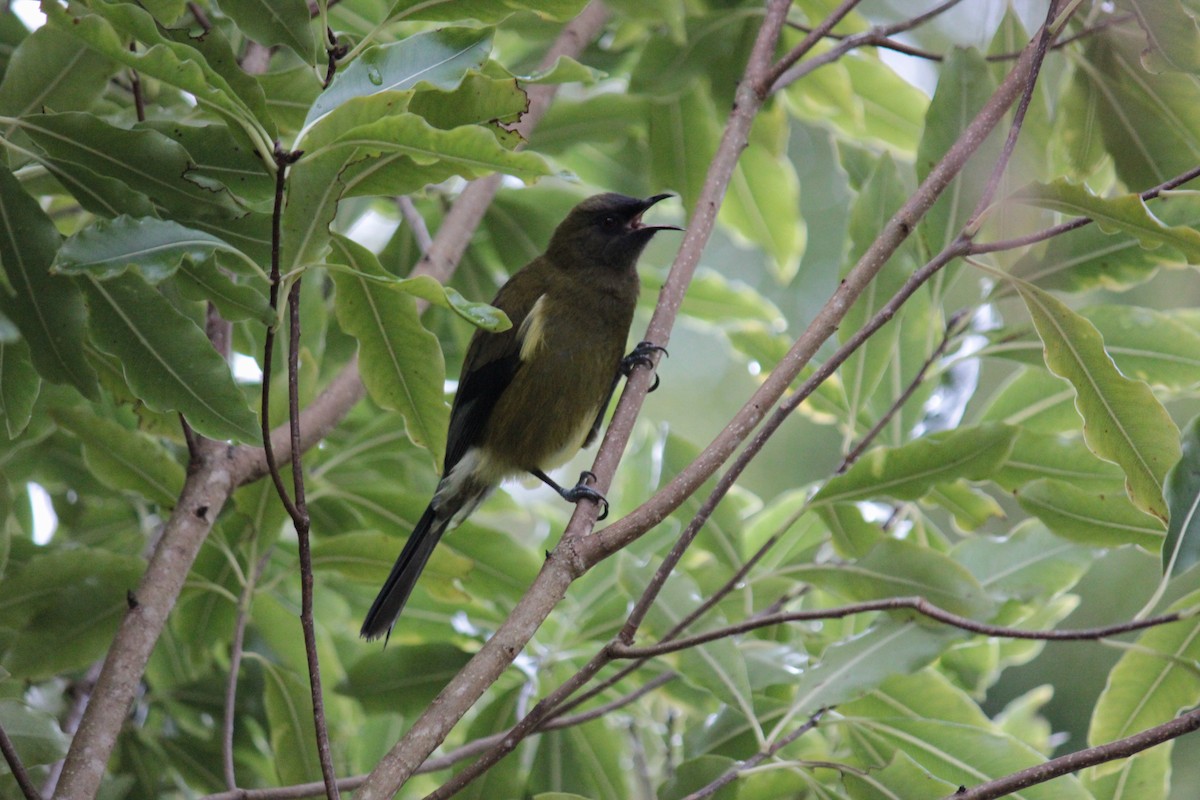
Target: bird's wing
491	362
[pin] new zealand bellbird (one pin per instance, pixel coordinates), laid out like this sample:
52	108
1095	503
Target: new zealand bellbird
531	396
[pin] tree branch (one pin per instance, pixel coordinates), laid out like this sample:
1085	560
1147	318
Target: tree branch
17	767
1073	762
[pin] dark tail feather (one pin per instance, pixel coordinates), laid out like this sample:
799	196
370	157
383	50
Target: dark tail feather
394	594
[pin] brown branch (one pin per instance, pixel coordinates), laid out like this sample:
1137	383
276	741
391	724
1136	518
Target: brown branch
1090	757
17	767
918	604
787	72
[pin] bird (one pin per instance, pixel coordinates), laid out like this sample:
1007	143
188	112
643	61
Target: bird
531	396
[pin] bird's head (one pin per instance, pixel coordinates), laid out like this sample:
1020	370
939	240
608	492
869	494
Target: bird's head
605	230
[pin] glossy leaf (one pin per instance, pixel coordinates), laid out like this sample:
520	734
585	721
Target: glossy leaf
176	64
155	247
48	309
400	362
285	22
143	160
438	58
1123	421
168	361
50	70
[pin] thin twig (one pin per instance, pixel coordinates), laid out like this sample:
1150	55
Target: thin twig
730	775
1073	762
302	524
918	604
415	222
953	328
17	767
235	665
787	72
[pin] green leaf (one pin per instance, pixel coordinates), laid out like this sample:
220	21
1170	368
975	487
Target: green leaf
1034	400
48	309
368	556
762	204
144	160
683	138
1095	519
156	247
35	734
235	301
963	88
176	64
564	70
288	705
1172	35
1122	419
1150	123
695	775
1089	257
909	471
49	70
1181	550
220	159
854	666
19	384
587	759
315	182
168	361
271	22
902	777
877	201
487	11
400	362
437	58
402	679
65	606
1029	564
1152	683
1126	213
123	459
937	725
896	568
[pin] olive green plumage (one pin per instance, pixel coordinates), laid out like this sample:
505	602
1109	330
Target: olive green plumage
531	396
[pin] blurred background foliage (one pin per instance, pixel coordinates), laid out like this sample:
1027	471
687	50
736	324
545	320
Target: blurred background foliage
984	493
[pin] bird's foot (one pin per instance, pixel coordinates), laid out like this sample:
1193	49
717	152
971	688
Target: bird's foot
641	356
580	491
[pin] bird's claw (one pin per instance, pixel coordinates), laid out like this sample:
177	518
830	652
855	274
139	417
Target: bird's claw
581	491
641	356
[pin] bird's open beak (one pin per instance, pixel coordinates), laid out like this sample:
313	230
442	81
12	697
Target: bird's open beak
637	224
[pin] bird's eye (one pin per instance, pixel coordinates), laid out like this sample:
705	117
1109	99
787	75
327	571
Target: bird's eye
609	223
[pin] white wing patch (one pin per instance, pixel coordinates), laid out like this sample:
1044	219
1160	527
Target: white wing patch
533	328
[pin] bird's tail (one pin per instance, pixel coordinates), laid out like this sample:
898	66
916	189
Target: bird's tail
394	594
